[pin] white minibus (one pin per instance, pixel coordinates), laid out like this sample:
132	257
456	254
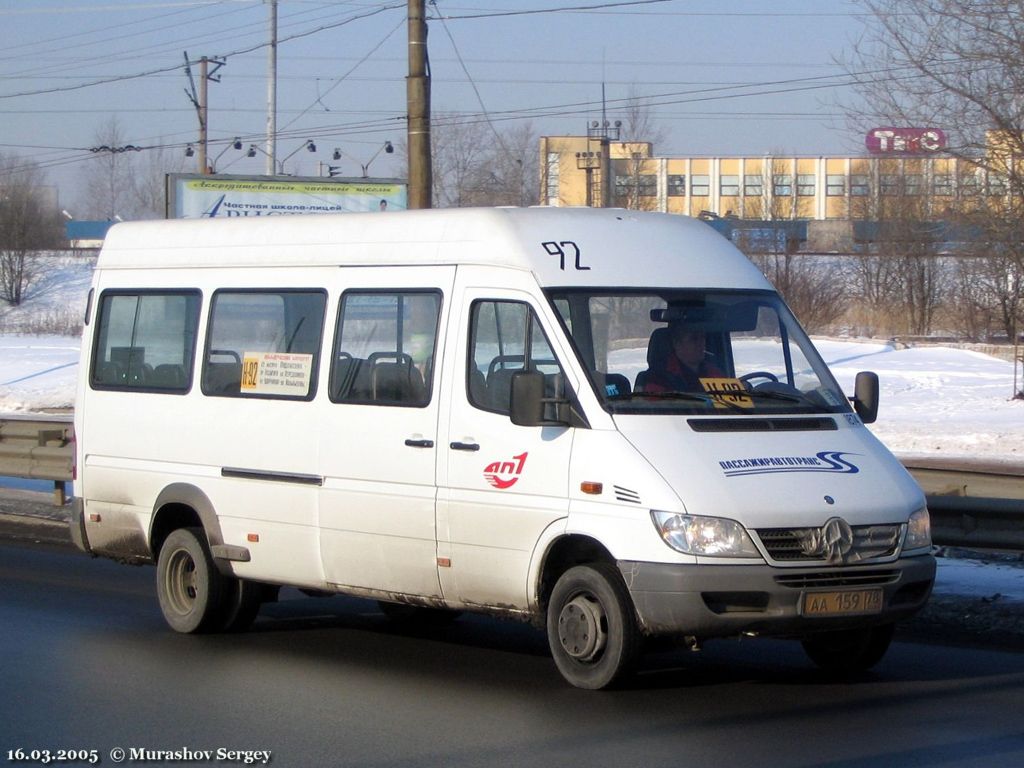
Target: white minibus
604	422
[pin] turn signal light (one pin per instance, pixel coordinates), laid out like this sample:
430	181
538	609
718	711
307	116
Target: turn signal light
594	489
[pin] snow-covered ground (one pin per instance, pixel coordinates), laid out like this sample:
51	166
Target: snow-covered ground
934	400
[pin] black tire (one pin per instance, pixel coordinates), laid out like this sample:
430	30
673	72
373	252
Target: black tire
849	651
591	624
190	588
242	602
424	615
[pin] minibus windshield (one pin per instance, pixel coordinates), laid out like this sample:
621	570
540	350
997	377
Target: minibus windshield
712	352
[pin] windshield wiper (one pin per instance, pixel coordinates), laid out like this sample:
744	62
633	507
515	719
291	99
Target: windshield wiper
710	399
773	395
662	396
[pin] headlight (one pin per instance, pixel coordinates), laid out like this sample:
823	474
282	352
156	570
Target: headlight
709	536
919	530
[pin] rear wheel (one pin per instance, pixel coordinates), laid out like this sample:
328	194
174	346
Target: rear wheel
242	602
190	588
591	626
849	651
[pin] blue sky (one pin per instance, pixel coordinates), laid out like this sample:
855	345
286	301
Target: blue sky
730	77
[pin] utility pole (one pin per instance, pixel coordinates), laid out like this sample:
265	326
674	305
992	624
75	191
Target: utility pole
200	101
272	93
604	132
418	105
203	74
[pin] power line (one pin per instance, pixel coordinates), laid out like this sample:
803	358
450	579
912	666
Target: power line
237	52
562	9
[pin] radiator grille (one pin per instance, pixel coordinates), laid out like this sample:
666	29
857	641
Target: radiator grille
870	542
835	579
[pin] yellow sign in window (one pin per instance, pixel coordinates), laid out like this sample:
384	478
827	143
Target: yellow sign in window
276	373
727	393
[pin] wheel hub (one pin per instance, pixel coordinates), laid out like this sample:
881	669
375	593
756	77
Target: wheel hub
581	628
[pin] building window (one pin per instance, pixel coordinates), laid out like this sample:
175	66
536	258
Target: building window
730	186
860	185
890	183
835	185
647	185
942	184
913	184
997	184
805	184
622	186
970	184
676	185
700	185
782	185
753	185
552	176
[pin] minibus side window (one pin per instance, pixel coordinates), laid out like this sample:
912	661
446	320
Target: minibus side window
505	337
145	341
384	350
264	343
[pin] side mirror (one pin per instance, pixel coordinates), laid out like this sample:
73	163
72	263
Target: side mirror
865	396
528	403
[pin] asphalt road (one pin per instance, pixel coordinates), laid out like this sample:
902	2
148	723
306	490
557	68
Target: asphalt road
87	663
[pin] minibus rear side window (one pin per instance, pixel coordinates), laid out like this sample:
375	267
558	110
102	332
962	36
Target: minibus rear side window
264	343
145	341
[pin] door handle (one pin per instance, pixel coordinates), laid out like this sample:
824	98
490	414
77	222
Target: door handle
464	446
419	443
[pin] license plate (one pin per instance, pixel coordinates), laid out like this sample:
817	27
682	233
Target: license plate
845	603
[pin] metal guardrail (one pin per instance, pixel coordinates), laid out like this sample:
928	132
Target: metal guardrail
40	449
972	504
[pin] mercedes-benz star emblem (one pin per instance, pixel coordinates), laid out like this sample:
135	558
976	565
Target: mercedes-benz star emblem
837	540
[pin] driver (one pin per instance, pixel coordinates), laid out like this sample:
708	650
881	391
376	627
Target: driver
686	363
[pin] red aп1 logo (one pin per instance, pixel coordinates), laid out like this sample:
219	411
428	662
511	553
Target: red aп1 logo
503	474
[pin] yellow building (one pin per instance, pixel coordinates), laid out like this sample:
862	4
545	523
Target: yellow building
761	188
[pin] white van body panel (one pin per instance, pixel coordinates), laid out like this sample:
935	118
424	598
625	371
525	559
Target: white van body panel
764	478
447	502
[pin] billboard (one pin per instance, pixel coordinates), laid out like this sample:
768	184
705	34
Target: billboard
905	141
194	196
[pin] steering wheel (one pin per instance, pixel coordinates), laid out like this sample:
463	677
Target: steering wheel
747	378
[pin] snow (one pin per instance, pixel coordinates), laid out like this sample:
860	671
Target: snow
934	400
984	580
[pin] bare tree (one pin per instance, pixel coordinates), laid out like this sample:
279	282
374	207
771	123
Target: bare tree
958	65
507	174
817	293
635	179
27	224
108	175
990	284
474	164
149	182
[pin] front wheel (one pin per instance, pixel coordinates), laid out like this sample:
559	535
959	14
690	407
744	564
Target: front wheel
190	588
591	626
849	651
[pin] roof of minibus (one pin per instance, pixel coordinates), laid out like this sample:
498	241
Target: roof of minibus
561	246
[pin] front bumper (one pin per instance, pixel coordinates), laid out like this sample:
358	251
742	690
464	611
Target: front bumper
705	601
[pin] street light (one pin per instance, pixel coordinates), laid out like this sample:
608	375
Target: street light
387	148
307	145
235	144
